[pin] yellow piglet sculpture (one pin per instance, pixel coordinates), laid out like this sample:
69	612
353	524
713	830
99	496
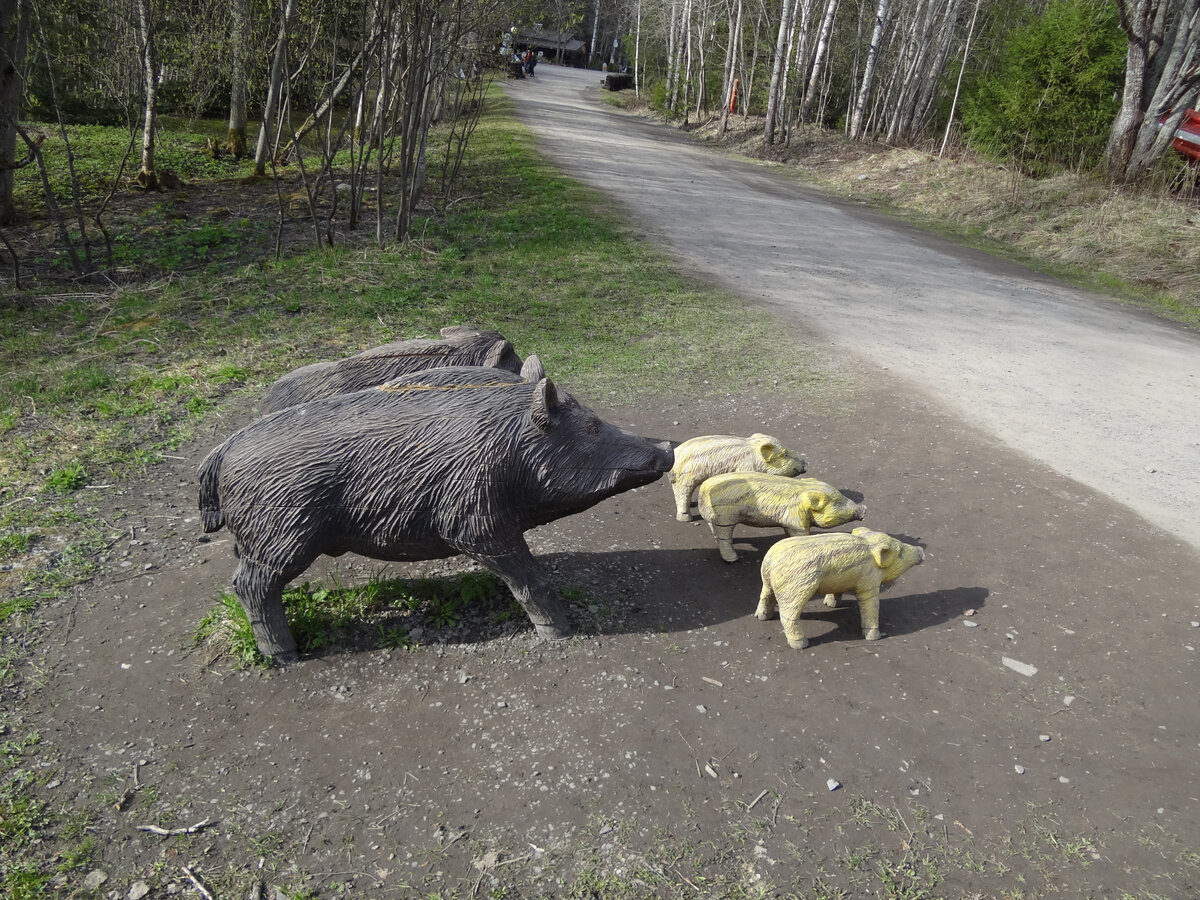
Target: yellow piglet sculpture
766	501
701	458
797	568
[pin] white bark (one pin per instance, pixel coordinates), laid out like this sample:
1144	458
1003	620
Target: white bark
868	76
274	89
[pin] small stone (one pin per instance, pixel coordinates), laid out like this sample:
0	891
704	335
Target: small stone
1196	624
94	879
1063	779
1068	700
970	624
1020	770
701	708
463	678
969	612
138	890
833	784
1044	738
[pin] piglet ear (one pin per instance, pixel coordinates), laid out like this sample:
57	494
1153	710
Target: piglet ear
496	353
883	555
545	405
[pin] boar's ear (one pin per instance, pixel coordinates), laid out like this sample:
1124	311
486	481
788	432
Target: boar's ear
532	369
497	352
545	405
452	330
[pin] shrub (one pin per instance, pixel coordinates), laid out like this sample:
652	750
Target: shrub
1053	98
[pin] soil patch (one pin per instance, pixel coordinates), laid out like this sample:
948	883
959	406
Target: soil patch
676	746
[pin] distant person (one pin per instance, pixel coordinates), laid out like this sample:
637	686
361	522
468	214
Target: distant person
530	62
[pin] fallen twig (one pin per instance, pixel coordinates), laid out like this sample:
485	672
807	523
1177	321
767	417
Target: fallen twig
168	832
754	802
129	791
199	885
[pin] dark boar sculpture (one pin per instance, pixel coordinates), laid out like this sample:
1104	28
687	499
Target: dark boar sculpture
460	345
442	462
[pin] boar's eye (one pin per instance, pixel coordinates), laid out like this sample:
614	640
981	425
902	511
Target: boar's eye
594	426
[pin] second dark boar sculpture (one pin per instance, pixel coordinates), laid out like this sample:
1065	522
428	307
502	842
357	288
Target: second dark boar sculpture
443	462
460	345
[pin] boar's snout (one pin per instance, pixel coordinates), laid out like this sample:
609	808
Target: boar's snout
664	456
860	512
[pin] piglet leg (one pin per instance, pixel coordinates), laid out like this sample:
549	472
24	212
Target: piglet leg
868	613
682	488
528	583
724	536
260	590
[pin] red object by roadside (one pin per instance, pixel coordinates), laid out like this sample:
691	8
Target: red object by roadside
1187	138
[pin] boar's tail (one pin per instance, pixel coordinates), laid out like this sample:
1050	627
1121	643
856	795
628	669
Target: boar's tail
211	516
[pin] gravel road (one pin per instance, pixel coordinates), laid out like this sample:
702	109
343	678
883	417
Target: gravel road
1107	395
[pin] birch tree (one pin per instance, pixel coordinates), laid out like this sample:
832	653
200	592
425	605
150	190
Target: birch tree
147	177
274	88
777	68
239	74
868	76
1162	78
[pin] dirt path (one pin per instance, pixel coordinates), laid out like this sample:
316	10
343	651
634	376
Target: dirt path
1103	394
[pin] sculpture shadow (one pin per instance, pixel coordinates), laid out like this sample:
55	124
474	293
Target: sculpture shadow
899	614
618	592
606	593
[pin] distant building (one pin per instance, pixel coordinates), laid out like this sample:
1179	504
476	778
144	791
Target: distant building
554	46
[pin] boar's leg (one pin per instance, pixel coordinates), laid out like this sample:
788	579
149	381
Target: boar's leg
868	612
528	583
260	591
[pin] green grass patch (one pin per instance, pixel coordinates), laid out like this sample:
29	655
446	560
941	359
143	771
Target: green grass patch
382	613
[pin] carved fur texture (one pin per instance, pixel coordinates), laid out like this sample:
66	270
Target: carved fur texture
700	458
797	568
765	501
460	345
442	462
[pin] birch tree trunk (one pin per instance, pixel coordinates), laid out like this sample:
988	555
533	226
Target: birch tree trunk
814	81
781	54
147	177
958	84
868	76
637	52
731	58
239	37
595	35
274	89
1162	77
